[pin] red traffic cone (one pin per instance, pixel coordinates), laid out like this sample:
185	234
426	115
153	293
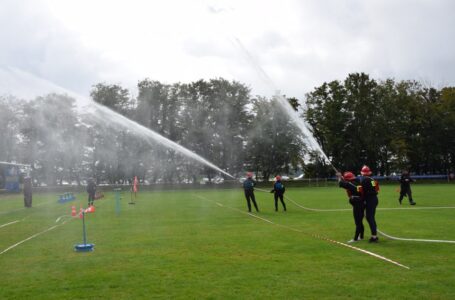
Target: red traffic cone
81	213
90	209
73	211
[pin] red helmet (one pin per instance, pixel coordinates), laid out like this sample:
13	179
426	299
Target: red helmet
348	176
365	171
249	174
278	178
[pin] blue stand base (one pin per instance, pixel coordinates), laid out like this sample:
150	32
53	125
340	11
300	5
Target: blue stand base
84	247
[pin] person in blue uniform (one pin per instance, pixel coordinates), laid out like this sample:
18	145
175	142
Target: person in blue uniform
405	187
278	190
248	188
91	190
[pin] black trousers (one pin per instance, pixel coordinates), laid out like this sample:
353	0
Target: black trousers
91	198
249	195
406	192
358	210
276	196
371	202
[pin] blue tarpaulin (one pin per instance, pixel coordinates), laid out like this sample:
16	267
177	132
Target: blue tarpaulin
11	174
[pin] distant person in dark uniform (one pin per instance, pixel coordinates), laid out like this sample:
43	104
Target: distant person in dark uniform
405	187
349	182
248	187
369	192
27	191
91	190
278	190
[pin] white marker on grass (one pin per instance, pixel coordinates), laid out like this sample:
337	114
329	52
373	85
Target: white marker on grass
383	233
10	223
313	235
415	240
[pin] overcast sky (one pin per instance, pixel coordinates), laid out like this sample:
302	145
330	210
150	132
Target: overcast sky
297	44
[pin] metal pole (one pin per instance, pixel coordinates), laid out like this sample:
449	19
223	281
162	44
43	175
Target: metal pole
83	227
117	201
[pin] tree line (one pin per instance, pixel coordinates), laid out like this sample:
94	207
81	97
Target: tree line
388	125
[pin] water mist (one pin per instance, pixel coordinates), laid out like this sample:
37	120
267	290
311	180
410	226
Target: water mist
24	85
309	139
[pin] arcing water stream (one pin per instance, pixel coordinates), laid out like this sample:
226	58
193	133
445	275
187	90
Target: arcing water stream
299	122
24	85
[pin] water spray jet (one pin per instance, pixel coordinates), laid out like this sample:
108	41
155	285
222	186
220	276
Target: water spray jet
13	80
301	124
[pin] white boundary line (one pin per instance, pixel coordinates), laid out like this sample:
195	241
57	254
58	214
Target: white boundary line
416	208
22	208
63	216
312	235
39	233
379	208
348	209
383	233
33	236
415	240
10	223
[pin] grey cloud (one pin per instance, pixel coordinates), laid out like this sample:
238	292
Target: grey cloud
36	42
401	39
270	40
206	47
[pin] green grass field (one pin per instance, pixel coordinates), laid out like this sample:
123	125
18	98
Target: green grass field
200	244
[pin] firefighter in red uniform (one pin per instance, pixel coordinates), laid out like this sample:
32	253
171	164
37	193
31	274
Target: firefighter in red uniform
370	188
349	182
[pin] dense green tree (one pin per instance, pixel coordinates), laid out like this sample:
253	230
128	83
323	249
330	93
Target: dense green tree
159	108
294	102
387	125
215	120
113	96
328	115
50	138
229	122
446	110
275	144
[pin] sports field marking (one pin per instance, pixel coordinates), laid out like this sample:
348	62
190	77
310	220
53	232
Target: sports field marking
415	240
61	217
383	233
10	223
379	208
33	236
22	208
348	209
39	233
312	235
415	208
